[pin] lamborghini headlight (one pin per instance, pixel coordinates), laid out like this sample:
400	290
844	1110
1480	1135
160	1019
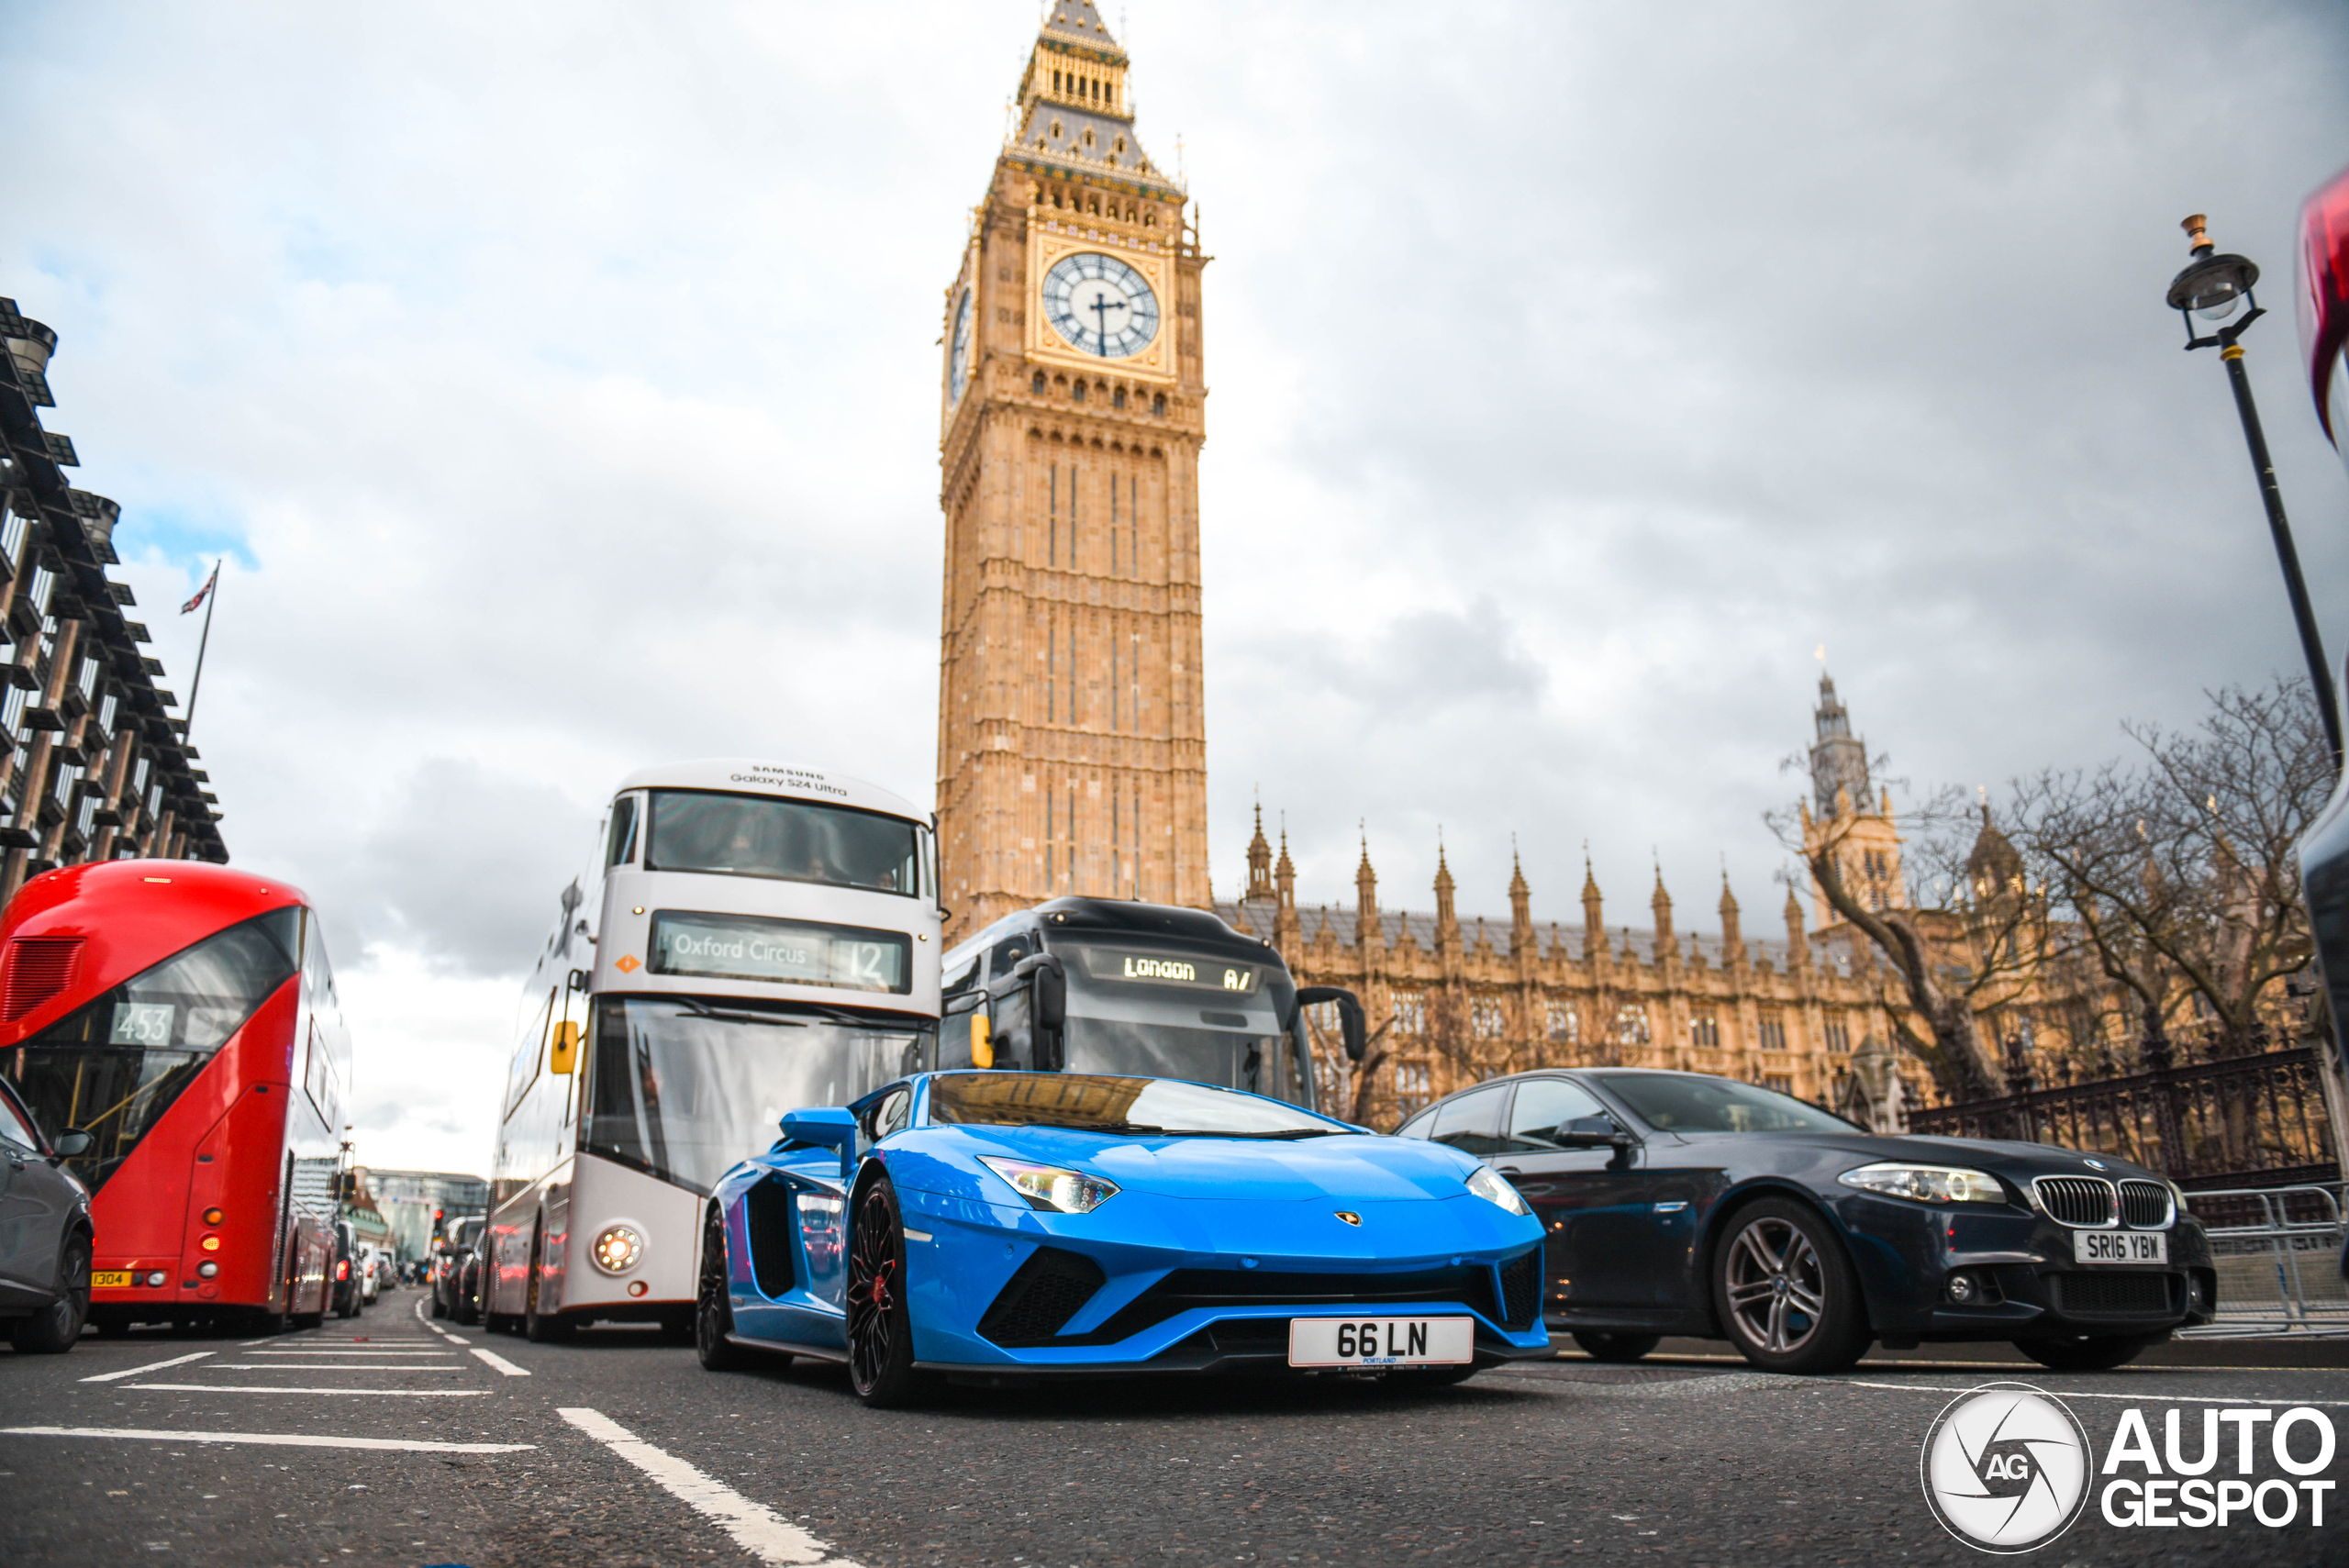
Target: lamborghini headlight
1926	1183
1492	1189
1051	1188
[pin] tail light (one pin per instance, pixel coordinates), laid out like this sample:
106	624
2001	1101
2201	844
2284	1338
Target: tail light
215	1216
342	1269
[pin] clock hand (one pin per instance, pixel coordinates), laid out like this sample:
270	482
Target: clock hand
1101	313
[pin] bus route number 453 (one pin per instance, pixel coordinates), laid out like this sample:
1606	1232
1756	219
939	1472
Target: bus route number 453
1381	1342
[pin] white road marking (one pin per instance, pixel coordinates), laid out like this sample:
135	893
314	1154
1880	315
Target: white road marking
241	1388
284	1439
380	1356
755	1527
2098	1394
501	1363
150	1367
327	1366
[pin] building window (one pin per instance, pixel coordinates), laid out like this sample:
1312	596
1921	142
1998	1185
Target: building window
1036	384
1411	1092
1487	1020
1118	398
1410	1012
1774	1032
1778	1081
1631	1026
1158	405
1564	1023
1839	1037
1076	393
1705	1032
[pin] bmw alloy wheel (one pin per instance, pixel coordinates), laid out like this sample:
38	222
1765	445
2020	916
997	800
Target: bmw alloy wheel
1777	1285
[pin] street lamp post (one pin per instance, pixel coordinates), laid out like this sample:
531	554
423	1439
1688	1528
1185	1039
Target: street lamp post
2218	289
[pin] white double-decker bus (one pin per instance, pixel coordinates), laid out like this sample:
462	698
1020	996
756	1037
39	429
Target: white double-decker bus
752	938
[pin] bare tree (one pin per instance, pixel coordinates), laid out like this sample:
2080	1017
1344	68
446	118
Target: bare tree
1360	1078
1970	939
2181	867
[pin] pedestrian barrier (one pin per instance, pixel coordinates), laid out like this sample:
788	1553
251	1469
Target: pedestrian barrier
2277	1251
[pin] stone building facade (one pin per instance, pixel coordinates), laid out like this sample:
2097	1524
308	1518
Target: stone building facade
92	766
1072	737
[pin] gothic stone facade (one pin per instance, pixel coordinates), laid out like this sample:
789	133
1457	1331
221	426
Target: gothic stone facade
1072	749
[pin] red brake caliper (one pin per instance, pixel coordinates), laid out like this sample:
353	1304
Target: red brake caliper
881	1286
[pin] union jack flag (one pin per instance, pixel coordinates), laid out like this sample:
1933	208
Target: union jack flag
204	592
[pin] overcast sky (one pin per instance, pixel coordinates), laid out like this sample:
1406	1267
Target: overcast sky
560	382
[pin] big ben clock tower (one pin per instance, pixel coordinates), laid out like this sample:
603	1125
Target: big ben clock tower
1071	753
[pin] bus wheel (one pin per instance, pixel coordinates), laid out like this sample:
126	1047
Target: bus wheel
713	1307
880	1318
541	1328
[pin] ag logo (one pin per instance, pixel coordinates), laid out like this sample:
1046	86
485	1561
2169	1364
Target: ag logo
2006	1468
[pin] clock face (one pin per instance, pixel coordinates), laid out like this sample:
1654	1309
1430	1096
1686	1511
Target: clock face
1100	306
958	357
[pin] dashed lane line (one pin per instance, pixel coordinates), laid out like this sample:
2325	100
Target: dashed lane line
281	1440
502	1365
326	1366
755	1527
2133	1396
150	1367
244	1388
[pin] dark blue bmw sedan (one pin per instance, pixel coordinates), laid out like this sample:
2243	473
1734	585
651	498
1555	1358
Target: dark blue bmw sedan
1680	1202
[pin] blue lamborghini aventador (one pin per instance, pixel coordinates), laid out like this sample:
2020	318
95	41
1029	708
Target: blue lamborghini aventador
988	1225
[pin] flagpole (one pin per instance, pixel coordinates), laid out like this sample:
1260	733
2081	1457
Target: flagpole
195	687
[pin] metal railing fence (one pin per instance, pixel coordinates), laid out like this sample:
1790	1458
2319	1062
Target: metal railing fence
2277	1251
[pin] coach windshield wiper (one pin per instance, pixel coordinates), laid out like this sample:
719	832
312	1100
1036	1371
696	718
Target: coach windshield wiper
799	1020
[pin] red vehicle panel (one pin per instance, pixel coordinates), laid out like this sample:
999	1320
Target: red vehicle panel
184	1014
2324	304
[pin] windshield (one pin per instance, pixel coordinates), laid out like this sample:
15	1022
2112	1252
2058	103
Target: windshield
1101	1103
687	1089
1672	1103
797	840
113	1067
1162	1010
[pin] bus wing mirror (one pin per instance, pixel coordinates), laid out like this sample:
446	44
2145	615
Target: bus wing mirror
830	1125
565	1056
1351	1029
1048	990
70	1144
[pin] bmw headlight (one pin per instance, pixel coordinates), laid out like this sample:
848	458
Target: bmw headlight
618	1249
1926	1183
1051	1188
1492	1189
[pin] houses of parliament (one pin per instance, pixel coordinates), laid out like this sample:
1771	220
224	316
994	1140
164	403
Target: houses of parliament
1072	752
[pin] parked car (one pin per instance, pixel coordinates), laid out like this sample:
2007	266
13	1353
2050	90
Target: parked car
346	1299
45	1232
456	1282
1681	1203
371	1282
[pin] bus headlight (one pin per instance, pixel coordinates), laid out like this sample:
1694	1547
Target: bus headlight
620	1248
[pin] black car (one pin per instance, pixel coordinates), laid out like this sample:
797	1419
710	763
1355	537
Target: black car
45	1232
1680	1202
456	1273
349	1298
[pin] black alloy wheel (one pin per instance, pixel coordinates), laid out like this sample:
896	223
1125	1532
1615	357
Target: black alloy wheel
1785	1291
880	1321
2086	1353
713	1306
52	1330
1617	1348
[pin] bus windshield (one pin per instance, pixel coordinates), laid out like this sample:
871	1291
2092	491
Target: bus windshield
112	1066
685	1088
1174	1011
791	840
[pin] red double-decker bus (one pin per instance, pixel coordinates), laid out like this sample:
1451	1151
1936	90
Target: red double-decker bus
183	1016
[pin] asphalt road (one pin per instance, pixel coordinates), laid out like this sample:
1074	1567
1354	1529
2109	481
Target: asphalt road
619	1450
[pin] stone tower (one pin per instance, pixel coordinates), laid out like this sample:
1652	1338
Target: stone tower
1071	739
1858	822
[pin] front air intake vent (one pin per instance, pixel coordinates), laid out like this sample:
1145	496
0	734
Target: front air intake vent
1521	1290
2085	1202
2144	1205
1043	1295
39	968
2112	1296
